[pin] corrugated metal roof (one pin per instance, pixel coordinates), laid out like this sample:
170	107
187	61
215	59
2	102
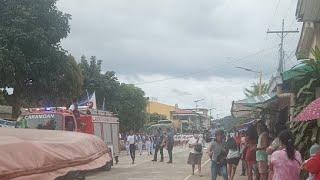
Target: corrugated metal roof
246	107
256	99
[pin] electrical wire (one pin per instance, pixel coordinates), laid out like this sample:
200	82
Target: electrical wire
206	70
274	14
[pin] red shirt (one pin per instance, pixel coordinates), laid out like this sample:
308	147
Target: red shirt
238	140
313	166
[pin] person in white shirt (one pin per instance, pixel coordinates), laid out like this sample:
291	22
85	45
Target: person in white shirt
132	147
195	154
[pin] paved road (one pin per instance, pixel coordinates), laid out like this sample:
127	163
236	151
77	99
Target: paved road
144	169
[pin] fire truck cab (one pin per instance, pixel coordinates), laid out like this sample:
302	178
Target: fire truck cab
100	123
48	118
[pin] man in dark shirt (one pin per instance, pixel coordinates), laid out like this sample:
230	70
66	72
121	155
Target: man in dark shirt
159	146
170	143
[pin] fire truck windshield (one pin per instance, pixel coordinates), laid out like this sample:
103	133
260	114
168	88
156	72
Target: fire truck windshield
50	121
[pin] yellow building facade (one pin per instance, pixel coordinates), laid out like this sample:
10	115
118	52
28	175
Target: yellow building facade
160	108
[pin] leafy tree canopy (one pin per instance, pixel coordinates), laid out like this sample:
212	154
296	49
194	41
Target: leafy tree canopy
131	107
254	89
32	61
127	101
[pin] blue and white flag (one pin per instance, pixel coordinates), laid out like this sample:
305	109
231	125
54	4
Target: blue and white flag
89	101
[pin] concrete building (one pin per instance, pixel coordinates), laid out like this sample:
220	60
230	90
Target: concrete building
160	108
188	120
308	12
182	119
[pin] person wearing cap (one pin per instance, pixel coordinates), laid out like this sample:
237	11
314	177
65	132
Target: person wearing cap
217	154
312	165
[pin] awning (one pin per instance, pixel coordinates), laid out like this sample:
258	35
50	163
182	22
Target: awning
246	107
256	100
244	126
295	72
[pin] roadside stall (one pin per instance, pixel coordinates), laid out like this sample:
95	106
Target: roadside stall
264	107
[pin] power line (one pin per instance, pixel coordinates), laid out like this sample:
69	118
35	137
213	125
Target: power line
283	33
274	13
289	58
206	70
291	3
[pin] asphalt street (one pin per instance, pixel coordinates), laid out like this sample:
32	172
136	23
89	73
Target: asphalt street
145	169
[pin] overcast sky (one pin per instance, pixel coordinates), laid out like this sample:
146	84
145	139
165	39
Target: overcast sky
196	45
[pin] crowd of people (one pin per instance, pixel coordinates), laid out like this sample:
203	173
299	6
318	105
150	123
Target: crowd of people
262	156
152	144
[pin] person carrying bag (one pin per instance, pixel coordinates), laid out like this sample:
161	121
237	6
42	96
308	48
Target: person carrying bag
217	154
195	155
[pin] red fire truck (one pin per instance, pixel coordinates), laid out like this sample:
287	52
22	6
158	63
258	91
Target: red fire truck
100	123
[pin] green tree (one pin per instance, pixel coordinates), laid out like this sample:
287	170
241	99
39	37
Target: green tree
127	101
304	86
308	81
105	85
32	61
254	89
131	108
2	99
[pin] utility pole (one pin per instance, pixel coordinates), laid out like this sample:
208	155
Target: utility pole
196	101
199	118
210	112
260	77
210	116
260	83
282	34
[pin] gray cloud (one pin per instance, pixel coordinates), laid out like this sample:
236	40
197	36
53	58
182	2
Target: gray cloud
149	40
175	36
180	92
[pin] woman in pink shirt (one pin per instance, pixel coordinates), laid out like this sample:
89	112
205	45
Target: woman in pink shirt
286	161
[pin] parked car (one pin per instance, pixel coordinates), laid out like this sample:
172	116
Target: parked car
49	154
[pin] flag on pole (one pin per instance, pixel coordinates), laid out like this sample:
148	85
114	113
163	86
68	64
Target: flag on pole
89	101
92	101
